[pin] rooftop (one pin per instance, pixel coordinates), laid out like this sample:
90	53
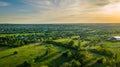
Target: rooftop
116	37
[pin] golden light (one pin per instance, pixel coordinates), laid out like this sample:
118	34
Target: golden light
113	8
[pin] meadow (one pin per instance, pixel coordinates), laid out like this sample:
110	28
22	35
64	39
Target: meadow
59	45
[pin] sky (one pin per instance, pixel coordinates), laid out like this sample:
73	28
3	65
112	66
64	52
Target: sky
59	11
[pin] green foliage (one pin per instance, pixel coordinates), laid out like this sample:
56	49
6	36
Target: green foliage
100	60
71	43
72	63
104	51
67	54
16	41
86	45
25	64
48	51
15	52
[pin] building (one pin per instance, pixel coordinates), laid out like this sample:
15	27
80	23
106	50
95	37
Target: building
117	38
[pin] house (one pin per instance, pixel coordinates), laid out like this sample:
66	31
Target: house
117	38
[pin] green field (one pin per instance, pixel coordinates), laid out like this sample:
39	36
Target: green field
29	53
72	45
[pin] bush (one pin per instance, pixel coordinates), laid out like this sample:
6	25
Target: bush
66	64
71	43
75	63
67	54
72	63
25	64
48	51
105	52
100	60
15	52
43	66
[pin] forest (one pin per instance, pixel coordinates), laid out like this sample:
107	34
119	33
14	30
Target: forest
59	45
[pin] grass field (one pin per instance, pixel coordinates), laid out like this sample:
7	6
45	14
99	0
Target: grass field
29	53
112	44
35	54
59	45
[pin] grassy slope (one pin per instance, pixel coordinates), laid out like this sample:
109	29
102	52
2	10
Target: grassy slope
111	44
29	53
8	59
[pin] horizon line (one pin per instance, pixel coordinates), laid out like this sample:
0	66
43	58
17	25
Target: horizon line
60	23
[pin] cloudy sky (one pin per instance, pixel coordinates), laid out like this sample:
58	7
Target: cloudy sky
59	11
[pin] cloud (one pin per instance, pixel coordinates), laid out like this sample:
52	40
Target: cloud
4	3
69	11
68	6
57	8
56	4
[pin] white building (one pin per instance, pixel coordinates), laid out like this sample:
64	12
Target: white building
116	38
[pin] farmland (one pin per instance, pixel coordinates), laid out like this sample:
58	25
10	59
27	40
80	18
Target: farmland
59	45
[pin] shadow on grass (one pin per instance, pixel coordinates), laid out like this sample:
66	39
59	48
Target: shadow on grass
58	61
87	63
45	57
53	60
3	48
7	56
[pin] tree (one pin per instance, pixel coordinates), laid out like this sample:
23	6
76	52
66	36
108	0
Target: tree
71	43
100	60
75	63
66	64
15	52
48	51
79	43
24	64
67	54
72	63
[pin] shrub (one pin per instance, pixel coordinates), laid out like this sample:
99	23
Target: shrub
100	60
67	54
75	63
15	52
24	64
66	64
105	52
48	51
72	63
